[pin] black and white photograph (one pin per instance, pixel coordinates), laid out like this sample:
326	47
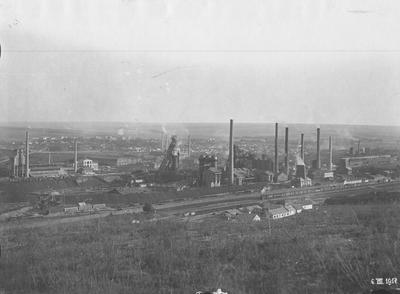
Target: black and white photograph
199	146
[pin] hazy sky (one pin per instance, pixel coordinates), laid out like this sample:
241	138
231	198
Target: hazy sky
312	61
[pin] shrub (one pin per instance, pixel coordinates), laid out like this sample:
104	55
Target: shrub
147	207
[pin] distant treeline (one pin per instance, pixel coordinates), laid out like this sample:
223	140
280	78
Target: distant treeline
372	197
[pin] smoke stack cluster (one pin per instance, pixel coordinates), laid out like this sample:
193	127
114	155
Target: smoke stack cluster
231	161
318	165
302	147
276	150
287	150
75	155
27	154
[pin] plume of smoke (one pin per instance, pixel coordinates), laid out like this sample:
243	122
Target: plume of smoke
164	130
345	133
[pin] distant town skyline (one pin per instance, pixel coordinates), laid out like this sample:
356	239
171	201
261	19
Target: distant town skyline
317	62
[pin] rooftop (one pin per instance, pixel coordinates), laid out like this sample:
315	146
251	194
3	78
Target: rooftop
367	157
278	210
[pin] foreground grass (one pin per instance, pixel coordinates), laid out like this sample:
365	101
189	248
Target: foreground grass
336	249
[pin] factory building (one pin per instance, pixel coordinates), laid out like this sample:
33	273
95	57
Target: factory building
17	163
243	176
243	159
88	164
265	164
212	177
47	171
209	174
302	182
123	161
282	177
264	176
358	151
348	164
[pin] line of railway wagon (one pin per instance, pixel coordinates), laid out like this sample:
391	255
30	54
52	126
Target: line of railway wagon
316	189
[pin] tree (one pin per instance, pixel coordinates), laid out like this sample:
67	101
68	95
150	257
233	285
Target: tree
147	207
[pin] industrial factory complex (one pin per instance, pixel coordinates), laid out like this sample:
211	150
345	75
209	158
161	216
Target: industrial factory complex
80	168
241	166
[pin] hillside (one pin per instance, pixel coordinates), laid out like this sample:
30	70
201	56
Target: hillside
335	249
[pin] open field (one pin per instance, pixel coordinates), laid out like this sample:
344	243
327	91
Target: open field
335	249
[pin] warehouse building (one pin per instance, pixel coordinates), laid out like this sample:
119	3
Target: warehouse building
348	164
47	171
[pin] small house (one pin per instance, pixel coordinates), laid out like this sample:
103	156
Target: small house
298	207
248	218
254	209
230	213
71	210
279	212
290	209
83	206
99	206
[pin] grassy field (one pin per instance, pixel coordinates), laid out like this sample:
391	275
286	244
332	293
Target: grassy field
335	249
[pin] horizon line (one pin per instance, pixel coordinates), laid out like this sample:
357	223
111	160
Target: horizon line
2	123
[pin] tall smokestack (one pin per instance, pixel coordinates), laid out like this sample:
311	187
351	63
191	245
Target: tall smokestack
302	146
166	142
75	155
276	150
27	154
330	153
231	162
318	150
358	147
287	150
162	142
189	145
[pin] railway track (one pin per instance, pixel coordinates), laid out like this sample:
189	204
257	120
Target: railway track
204	205
229	201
